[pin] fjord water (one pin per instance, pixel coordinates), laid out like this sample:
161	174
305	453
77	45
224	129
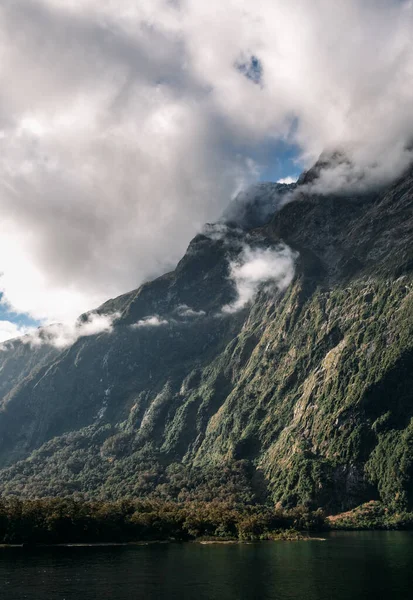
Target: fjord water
354	565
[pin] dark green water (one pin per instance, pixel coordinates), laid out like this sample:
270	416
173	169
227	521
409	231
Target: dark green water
348	566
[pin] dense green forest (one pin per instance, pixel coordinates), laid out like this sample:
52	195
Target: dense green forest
55	520
64	520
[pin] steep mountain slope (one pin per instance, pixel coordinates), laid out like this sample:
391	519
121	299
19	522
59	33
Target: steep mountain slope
302	396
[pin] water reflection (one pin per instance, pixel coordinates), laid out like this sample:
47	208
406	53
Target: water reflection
347	566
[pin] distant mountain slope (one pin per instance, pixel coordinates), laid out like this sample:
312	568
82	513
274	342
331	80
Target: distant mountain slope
303	396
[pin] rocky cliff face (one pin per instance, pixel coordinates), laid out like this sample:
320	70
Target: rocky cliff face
304	395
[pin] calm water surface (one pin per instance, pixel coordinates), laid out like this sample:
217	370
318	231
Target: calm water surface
348	566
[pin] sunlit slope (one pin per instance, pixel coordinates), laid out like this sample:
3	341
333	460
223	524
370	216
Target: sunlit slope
304	396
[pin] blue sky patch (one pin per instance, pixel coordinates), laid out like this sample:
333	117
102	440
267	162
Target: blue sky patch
252	69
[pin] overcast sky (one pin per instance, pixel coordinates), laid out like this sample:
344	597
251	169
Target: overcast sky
127	124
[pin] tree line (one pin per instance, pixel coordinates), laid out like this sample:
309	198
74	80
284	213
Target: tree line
65	520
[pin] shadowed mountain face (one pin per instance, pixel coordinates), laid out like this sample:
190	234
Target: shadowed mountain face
301	396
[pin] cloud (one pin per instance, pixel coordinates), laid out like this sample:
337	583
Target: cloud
126	126
9	330
154	321
257	266
111	165
64	335
220	231
186	311
288	180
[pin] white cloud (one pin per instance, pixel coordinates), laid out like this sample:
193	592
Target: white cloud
9	330
153	321
288	180
186	311
257	266
64	335
124	126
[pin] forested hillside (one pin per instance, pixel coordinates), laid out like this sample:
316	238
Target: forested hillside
295	388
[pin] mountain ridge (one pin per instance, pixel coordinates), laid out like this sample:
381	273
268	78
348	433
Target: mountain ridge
303	396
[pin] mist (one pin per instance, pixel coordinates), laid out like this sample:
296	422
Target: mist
257	266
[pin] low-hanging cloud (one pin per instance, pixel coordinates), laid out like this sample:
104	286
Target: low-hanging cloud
256	267
125	126
152	321
64	335
287	180
185	311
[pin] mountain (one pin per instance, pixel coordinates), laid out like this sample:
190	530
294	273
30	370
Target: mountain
218	382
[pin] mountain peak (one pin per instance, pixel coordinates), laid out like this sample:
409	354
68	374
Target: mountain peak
254	206
326	161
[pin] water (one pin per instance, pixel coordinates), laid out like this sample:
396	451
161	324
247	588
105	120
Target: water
348	566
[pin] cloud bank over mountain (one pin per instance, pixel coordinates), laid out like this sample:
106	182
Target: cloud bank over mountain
124	126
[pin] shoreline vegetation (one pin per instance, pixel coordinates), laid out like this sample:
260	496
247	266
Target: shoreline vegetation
69	522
